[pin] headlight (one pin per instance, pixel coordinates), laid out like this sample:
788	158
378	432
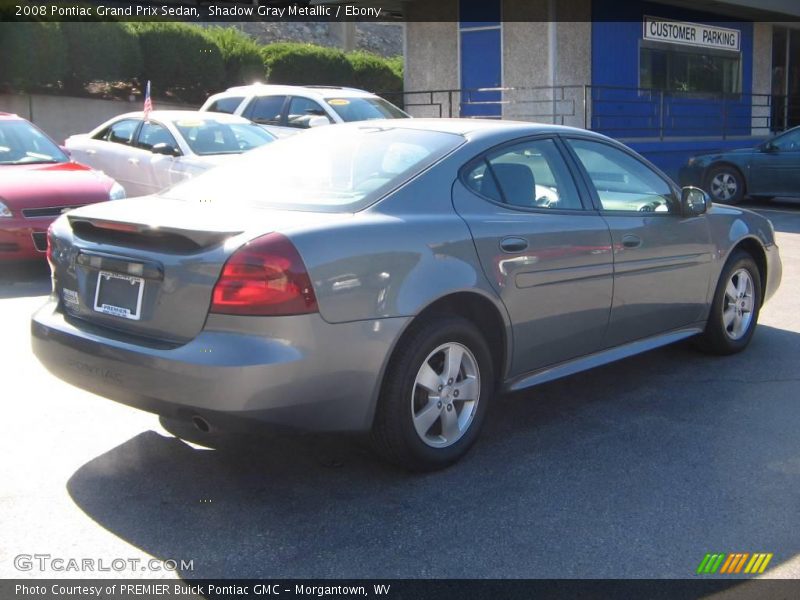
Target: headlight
4	210
117	192
692	161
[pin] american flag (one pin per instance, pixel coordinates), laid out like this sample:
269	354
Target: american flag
148	104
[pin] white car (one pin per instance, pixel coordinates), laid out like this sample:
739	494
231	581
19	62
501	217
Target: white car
146	157
287	109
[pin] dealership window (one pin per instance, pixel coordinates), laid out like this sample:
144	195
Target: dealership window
699	71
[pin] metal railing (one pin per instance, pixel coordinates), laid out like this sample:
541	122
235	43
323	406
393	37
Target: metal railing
621	112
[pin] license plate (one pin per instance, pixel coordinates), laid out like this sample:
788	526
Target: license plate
119	295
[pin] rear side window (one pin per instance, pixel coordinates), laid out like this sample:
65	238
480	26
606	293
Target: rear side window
120	132
226	105
528	175
266	110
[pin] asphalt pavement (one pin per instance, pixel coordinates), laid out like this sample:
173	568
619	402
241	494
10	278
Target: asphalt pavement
635	469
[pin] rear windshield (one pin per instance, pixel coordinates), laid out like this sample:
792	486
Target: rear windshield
365	109
22	143
330	169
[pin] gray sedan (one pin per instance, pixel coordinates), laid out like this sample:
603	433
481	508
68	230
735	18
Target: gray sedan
391	278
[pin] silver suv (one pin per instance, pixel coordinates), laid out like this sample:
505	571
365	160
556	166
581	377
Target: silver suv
286	109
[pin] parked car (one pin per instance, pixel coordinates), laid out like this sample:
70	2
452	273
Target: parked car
770	169
38	182
391	277
287	109
147	156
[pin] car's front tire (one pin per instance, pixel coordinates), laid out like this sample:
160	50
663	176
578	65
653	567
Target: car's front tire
734	311
725	185
435	394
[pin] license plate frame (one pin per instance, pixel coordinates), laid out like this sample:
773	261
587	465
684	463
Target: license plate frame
123	312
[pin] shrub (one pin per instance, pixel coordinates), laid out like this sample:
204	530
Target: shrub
373	73
33	55
241	55
179	58
100	51
306	64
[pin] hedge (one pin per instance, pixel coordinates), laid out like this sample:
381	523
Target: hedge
241	55
306	64
39	55
373	73
184	60
180	58
104	51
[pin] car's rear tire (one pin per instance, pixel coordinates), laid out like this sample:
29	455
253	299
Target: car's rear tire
725	185
734	311
435	394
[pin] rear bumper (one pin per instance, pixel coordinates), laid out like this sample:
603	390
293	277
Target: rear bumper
295	372
17	237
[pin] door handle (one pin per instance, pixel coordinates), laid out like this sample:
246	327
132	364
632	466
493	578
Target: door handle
631	241
513	244
133	161
91	152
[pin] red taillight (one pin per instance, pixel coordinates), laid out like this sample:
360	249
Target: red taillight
264	277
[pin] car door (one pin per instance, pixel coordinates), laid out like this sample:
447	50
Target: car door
662	260
157	171
116	155
775	171
547	256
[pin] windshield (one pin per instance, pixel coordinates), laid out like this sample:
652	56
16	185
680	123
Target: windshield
206	136
330	169
22	143
365	109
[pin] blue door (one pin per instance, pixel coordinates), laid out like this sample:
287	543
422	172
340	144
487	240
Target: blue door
481	66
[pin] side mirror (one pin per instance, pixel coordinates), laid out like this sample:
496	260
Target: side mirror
694	201
165	149
318	121
770	147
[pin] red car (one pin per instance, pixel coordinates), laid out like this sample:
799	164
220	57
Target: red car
38	182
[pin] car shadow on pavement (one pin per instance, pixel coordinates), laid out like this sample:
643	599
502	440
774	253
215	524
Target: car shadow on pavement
18	280
635	469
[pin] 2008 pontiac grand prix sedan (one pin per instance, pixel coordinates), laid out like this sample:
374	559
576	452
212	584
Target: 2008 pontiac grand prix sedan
392	278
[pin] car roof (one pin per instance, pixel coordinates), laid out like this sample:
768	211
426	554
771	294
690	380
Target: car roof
466	127
320	91
178	115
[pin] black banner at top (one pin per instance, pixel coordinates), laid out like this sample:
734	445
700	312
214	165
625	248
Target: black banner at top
478	11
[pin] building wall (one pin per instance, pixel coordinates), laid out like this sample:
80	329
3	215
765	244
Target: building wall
62	116
762	76
431	61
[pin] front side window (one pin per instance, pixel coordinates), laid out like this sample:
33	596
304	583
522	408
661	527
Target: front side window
622	183
788	142
120	132
266	110
153	133
302	110
327	169
22	143
528	175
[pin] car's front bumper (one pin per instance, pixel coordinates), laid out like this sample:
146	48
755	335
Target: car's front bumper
298	372
23	239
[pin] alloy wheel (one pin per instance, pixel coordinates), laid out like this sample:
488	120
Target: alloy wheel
738	304
445	396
